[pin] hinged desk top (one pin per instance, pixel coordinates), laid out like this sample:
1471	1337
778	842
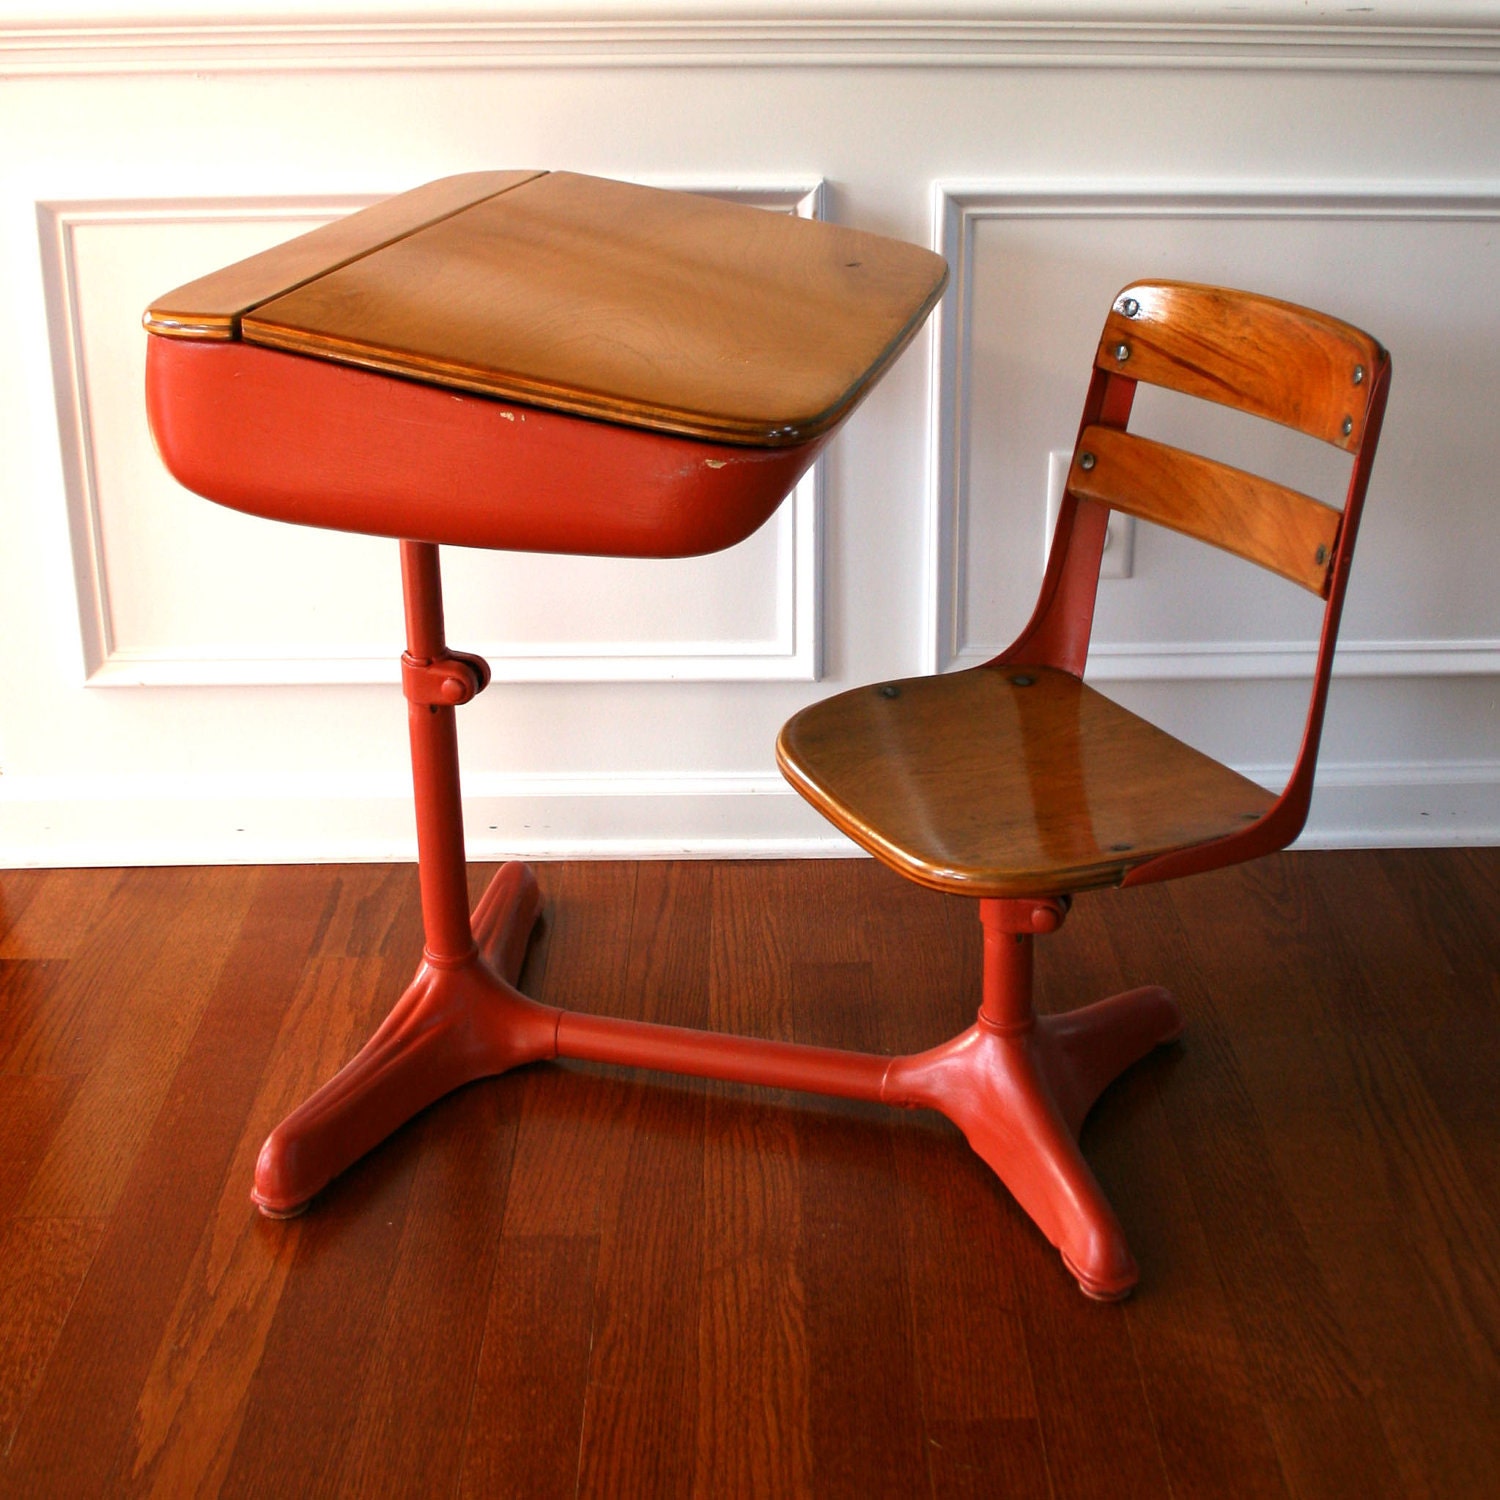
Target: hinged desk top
642	307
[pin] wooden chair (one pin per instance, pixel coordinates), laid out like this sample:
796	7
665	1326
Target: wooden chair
1017	784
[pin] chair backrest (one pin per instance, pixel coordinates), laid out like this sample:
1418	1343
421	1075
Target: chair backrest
1267	358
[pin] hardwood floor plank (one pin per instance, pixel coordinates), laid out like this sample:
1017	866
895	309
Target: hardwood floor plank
1181	1340
43	1263
830	924
1334	1449
1415	998
968	1336
1446	1442
1270	959
1455	905
1420	1174
980	1459
527	1413
464	1145
1096	1422
401	1447
300	1406
752	921
1294	1347
32	1106
18	890
752	1431
1382	932
1434	1387
864	1404
112	1110
1205	1408
753	1381
369	913
27	994
74	1430
571	1138
129	946
299	1412
192	1402
53	915
641	1415
926	948
968	1340
1458	1061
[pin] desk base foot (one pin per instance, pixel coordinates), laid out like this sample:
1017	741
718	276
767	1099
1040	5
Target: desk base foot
454	1023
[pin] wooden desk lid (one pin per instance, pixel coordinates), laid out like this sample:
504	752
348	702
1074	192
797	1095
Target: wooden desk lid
652	309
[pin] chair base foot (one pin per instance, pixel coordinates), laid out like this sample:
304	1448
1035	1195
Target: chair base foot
1020	1098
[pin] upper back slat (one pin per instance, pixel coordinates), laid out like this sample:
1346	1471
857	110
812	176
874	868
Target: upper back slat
1271	359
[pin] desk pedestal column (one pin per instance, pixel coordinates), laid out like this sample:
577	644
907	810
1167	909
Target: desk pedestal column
461	1017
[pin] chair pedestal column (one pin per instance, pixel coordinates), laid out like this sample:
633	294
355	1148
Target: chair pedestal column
1019	1086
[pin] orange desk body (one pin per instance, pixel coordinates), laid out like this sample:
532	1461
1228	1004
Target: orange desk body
294	438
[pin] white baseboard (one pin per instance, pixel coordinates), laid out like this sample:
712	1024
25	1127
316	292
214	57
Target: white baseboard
153	820
1411	805
216	819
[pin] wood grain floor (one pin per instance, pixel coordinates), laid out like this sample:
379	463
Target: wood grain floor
577	1281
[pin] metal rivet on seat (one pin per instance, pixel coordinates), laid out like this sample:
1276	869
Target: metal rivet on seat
1122	352
890	690
1022	680
1121	848
1086	461
1130	307
1348	425
1359	374
1321	555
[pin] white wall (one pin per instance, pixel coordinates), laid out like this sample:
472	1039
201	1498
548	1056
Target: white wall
180	683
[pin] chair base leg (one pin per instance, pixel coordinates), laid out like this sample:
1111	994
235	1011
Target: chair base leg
452	1025
1020	1098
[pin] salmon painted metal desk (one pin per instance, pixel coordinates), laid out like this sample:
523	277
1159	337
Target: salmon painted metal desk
536	361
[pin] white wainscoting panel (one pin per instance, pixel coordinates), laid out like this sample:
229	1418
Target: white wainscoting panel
1035	273
175	592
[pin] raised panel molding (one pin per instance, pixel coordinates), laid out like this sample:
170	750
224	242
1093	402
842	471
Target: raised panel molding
790	654
958	208
1264	35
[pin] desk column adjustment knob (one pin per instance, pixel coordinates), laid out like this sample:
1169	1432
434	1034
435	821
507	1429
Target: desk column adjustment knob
446	681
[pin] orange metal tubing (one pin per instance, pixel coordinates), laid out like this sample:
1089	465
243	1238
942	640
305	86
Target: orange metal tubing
712	1054
434	765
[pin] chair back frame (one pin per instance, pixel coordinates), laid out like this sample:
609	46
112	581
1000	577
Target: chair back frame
1058	632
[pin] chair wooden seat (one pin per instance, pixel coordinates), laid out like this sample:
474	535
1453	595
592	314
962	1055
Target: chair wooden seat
1008	781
